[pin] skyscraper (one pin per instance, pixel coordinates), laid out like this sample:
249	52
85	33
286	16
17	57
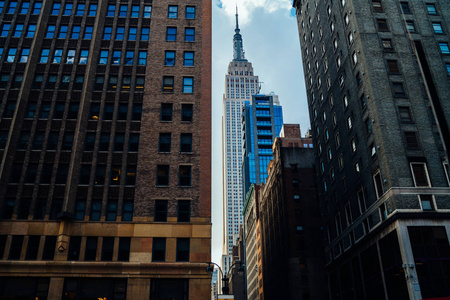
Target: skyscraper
261	124
105	149
377	79
240	84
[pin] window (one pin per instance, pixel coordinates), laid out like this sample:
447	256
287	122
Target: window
76	32
5	30
171	33
92	10
122	111
431	8
411	140
132	33
50	31
83	57
55	8
393	66
120	32
169	58
91	248
44	56
183	249
49	248
358	78
12	7
111	11
135	11
147	11
168	83
123	11
74	248
63	32
160	211
140	81
107	33
437	27
189	35
145	34
378	184
186	142
119	140
405	7
187	112
350	37
166	111
133	144
11	55
107	249
162	175
103	57
68	9
111	206
398	89
159	249
70	56
354	58
31	30
124	249
188	85
341	80
129	57
184	176
349	122
420	174
405	114
116	57
443	46
376	4
410	26
37	8
80	9
382	25
172	12
127	208
25	7
88	32
190	12
164	142
184	211
387	44
18	30
368	126
142	58
447	65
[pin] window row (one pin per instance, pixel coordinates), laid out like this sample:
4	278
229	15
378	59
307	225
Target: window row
113	83
70	56
121	112
129	57
166	113
377	6
189	34
184	175
82	9
170	55
23	9
120	33
18	30
169	83
41	209
165	142
122	11
183	210
172	12
116	174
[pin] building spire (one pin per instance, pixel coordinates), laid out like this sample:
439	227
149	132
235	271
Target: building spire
237	41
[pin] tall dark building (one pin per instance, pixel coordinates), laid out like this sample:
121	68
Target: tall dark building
105	149
377	79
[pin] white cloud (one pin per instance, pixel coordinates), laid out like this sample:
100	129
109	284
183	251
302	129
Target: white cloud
247	7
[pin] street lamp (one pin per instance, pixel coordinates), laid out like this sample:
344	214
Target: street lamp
226	276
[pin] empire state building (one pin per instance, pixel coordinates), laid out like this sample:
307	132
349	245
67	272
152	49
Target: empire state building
240	85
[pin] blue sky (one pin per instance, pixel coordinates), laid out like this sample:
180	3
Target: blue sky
271	43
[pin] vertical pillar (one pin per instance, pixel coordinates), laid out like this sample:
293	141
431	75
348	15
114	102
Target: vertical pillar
55	289
138	288
412	282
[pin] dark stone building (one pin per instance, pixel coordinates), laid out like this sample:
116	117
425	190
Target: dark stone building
377	79
105	149
291	236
